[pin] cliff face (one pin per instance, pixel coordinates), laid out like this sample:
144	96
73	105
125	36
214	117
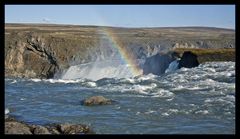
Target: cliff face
40	51
27	55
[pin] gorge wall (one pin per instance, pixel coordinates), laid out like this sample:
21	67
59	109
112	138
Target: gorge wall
43	50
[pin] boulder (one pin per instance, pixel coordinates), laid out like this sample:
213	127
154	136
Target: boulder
96	100
13	127
188	60
73	129
37	129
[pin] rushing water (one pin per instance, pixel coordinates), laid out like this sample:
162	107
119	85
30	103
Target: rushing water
98	70
199	100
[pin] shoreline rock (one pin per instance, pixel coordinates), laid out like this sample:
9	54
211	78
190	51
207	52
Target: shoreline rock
13	126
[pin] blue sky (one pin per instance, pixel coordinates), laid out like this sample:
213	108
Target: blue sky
124	15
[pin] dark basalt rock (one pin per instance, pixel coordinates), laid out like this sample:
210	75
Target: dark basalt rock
188	60
158	63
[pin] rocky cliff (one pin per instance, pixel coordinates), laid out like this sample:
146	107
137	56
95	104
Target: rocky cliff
42	50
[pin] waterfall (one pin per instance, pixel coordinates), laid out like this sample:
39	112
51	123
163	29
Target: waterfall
98	70
172	66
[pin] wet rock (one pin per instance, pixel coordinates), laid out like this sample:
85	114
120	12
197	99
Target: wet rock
16	128
73	129
158	63
9	119
96	100
188	60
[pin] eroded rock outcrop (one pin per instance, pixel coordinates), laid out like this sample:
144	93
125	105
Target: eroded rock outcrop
29	58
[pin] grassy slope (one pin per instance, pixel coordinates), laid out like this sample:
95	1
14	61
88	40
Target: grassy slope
205	55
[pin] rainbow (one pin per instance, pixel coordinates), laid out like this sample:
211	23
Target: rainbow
125	55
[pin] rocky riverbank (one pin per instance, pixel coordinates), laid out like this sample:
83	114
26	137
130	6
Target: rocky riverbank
13	126
43	51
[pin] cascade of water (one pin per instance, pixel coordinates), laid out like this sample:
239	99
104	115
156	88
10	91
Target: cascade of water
98	70
172	66
111	62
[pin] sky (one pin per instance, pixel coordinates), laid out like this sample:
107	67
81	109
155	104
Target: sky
222	16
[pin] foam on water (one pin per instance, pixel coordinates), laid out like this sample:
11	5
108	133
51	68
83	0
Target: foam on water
165	114
146	77
163	94
36	80
140	88
194	79
90	84
14	81
66	81
7	111
22	99
173	66
202	112
150	112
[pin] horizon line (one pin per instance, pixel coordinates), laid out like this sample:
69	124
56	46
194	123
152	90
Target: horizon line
68	24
